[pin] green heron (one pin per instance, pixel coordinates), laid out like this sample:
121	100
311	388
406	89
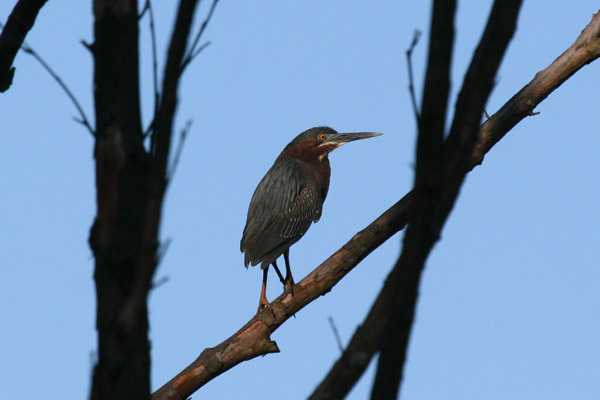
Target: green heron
288	199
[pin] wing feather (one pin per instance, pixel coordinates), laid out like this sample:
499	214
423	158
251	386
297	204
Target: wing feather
282	209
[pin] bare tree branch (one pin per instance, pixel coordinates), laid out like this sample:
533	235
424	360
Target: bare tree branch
253	339
131	183
432	207
148	7
411	80
183	135
336	334
29	50
477	86
585	50
401	286
13	34
159	153
193	51
199	50
83	120
161	138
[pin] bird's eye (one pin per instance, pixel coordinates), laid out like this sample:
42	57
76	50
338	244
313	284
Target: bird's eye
322	136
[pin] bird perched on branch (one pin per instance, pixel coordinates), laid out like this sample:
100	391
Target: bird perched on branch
288	199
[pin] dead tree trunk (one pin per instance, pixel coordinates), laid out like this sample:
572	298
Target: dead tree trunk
116	237
131	180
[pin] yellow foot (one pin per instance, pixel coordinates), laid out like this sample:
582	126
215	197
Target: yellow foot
263	304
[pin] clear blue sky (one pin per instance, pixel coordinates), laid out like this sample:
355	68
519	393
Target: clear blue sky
509	304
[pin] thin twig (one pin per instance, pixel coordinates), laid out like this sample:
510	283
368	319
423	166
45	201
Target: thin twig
148	7
160	139
193	52
83	120
89	47
336	334
411	81
162	250
205	45
159	282
177	156
160	256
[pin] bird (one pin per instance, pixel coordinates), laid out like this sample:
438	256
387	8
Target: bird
288	199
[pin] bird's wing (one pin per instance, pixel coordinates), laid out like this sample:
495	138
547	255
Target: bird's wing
295	219
282	208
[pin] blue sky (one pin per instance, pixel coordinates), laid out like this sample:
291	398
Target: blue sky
509	302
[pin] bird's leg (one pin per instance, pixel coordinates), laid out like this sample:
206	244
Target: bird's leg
289	279
263	302
279	273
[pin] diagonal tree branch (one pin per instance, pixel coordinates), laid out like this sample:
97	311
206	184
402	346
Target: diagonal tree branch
253	339
13	34
83	120
583	51
161	139
363	344
400	291
432	207
477	86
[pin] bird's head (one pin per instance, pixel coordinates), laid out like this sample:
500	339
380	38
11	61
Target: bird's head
317	143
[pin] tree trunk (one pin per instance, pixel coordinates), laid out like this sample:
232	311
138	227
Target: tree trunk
123	368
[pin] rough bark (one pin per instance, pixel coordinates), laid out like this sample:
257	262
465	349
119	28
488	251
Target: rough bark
13	34
123	367
131	184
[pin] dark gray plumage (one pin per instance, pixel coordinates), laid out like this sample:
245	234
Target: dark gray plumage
289	199
282	208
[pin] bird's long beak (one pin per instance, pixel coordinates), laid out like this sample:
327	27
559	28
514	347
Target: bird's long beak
342	138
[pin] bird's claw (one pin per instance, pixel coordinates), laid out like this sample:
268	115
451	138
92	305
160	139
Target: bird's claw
264	304
289	286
